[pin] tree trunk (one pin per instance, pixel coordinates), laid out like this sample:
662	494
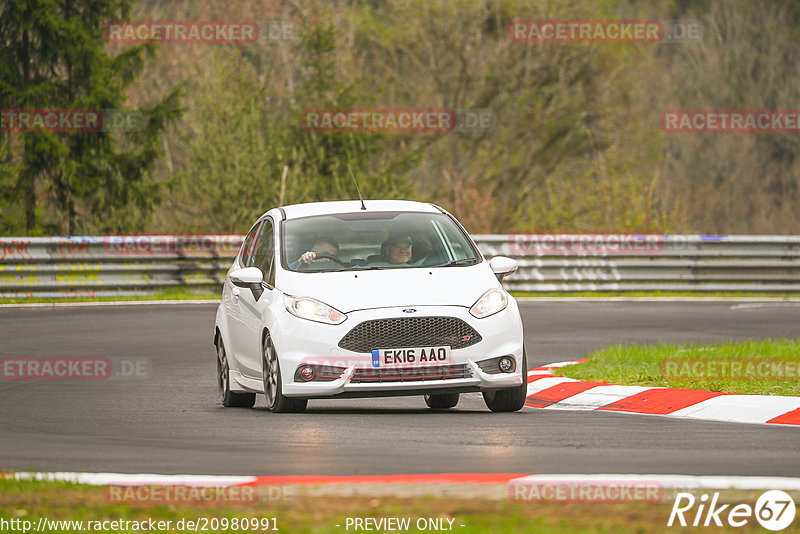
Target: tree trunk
71	215
29	194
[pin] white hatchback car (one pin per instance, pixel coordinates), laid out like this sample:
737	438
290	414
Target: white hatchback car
336	299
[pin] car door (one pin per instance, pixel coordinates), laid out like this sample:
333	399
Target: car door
231	297
252	310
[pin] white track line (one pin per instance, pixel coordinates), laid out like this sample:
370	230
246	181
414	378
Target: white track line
124	479
109	303
758	305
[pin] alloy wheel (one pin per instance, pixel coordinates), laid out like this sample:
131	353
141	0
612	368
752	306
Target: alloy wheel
270	373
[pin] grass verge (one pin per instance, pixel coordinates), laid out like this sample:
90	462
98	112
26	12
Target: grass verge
769	367
176	293
32	500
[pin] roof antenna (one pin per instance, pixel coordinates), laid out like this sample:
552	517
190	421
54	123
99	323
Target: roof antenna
363	207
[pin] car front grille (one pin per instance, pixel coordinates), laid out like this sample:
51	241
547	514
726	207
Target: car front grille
411	374
409	332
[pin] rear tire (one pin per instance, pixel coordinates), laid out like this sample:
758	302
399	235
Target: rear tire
228	398
442	401
277	402
511	399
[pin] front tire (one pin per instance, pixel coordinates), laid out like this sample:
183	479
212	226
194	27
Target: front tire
273	386
511	399
442	401
228	398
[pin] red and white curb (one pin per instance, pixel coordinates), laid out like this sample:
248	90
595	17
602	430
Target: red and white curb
548	391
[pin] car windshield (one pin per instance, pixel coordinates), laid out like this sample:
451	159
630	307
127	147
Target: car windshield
377	240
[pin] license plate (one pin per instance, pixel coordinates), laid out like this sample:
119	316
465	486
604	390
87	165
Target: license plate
411	357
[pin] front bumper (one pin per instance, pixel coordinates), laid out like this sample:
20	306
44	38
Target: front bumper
299	342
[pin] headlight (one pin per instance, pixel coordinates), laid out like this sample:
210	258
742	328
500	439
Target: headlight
313	310
490	303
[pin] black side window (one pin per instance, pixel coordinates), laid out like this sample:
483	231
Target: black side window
248	247
264	257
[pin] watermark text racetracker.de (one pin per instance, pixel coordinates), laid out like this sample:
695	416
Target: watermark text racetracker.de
199	31
70	120
605	31
157	495
730	120
397	120
74	368
421	363
585	244
181	244
728	369
591	490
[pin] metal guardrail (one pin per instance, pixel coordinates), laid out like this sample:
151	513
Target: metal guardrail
92	266
628	262
135	265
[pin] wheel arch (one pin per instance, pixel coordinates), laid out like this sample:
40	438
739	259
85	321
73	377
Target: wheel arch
264	333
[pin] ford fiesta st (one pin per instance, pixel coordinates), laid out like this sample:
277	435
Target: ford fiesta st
384	298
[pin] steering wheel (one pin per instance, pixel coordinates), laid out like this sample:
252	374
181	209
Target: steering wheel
423	261
324	257
330	257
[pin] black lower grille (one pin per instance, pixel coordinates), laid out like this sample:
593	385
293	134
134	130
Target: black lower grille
490	366
410	332
412	374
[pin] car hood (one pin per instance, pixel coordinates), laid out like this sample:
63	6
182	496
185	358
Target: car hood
358	290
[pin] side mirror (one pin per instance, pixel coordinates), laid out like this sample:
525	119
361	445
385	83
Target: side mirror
249	278
502	266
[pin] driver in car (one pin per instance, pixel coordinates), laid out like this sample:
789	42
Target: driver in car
322	245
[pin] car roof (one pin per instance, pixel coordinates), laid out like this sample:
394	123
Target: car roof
295	211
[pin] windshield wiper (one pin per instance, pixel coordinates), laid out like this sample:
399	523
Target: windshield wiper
463	261
366	268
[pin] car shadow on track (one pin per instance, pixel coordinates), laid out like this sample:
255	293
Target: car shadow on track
377	411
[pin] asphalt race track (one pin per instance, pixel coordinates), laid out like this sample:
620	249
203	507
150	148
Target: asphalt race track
168	419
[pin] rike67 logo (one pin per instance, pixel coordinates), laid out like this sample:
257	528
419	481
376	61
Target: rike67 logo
774	510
